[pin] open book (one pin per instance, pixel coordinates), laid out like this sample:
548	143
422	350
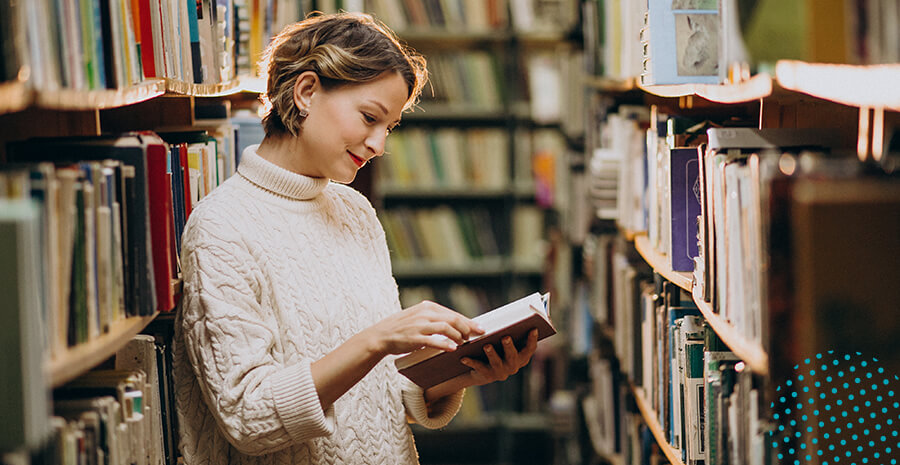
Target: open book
428	366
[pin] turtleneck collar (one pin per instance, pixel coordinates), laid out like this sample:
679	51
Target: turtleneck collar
276	179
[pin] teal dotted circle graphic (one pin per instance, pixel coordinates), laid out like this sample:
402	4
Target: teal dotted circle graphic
862	401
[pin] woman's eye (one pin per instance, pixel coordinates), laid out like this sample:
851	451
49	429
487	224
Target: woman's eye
369	118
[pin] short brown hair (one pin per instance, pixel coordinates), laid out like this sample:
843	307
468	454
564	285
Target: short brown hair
341	49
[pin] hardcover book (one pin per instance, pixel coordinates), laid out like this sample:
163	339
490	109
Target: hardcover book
685	207
428	366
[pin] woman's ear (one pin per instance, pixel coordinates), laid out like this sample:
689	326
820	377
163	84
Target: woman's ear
305	86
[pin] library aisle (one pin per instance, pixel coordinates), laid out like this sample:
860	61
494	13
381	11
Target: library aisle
709	190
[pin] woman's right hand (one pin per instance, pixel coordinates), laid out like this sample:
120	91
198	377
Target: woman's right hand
425	324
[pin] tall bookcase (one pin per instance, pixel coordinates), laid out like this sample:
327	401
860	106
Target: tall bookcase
44	97
859	104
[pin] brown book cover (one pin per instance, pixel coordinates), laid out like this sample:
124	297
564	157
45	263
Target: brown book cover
429	366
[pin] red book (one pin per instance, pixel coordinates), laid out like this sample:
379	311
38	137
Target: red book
148	60
161	221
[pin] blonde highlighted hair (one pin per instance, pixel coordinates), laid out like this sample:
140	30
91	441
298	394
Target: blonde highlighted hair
342	49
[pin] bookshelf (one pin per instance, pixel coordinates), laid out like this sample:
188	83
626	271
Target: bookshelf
856	102
65	93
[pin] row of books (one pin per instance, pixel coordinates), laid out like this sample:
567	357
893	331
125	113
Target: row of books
465	79
612	37
616	431
94	44
120	415
98	44
252	23
449	15
705	41
446	158
772	257
461	236
704	398
111	210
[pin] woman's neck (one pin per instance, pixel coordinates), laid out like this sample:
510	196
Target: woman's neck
283	151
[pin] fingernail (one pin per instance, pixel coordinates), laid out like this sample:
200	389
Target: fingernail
452	346
507	340
488	348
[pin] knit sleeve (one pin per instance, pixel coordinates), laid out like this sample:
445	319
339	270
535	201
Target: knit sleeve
440	413
259	404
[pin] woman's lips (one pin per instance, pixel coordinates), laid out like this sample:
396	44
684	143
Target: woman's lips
359	161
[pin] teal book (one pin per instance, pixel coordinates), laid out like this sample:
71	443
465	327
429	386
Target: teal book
193	26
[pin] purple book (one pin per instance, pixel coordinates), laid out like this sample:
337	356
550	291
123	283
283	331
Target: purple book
685	189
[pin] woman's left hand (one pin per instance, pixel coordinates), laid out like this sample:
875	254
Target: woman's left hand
497	368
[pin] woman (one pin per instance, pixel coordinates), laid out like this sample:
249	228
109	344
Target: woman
291	318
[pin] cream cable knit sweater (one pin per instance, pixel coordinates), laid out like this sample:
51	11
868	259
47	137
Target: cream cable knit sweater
279	269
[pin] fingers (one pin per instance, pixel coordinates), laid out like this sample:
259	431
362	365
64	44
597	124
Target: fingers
530	347
459	328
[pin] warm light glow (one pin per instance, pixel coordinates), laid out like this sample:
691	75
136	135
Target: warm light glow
865	86
787	164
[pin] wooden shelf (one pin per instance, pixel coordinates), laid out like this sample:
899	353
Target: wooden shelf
203	90
70	99
755	88
751	352
483	267
441	193
445	111
454	38
611	84
874	86
14	96
76	360
657	260
652	421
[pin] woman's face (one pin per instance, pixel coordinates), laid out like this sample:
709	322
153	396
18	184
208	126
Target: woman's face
347	126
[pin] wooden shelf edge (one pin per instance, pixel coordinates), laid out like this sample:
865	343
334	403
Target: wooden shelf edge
203	90
752	353
14	96
609	84
424	35
454	192
657	260
867	86
426	111
653	423
71	99
755	88
83	357
476	267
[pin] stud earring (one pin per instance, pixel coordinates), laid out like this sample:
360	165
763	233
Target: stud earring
303	113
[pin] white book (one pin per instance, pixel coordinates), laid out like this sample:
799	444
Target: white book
105	295
24	392
90	253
